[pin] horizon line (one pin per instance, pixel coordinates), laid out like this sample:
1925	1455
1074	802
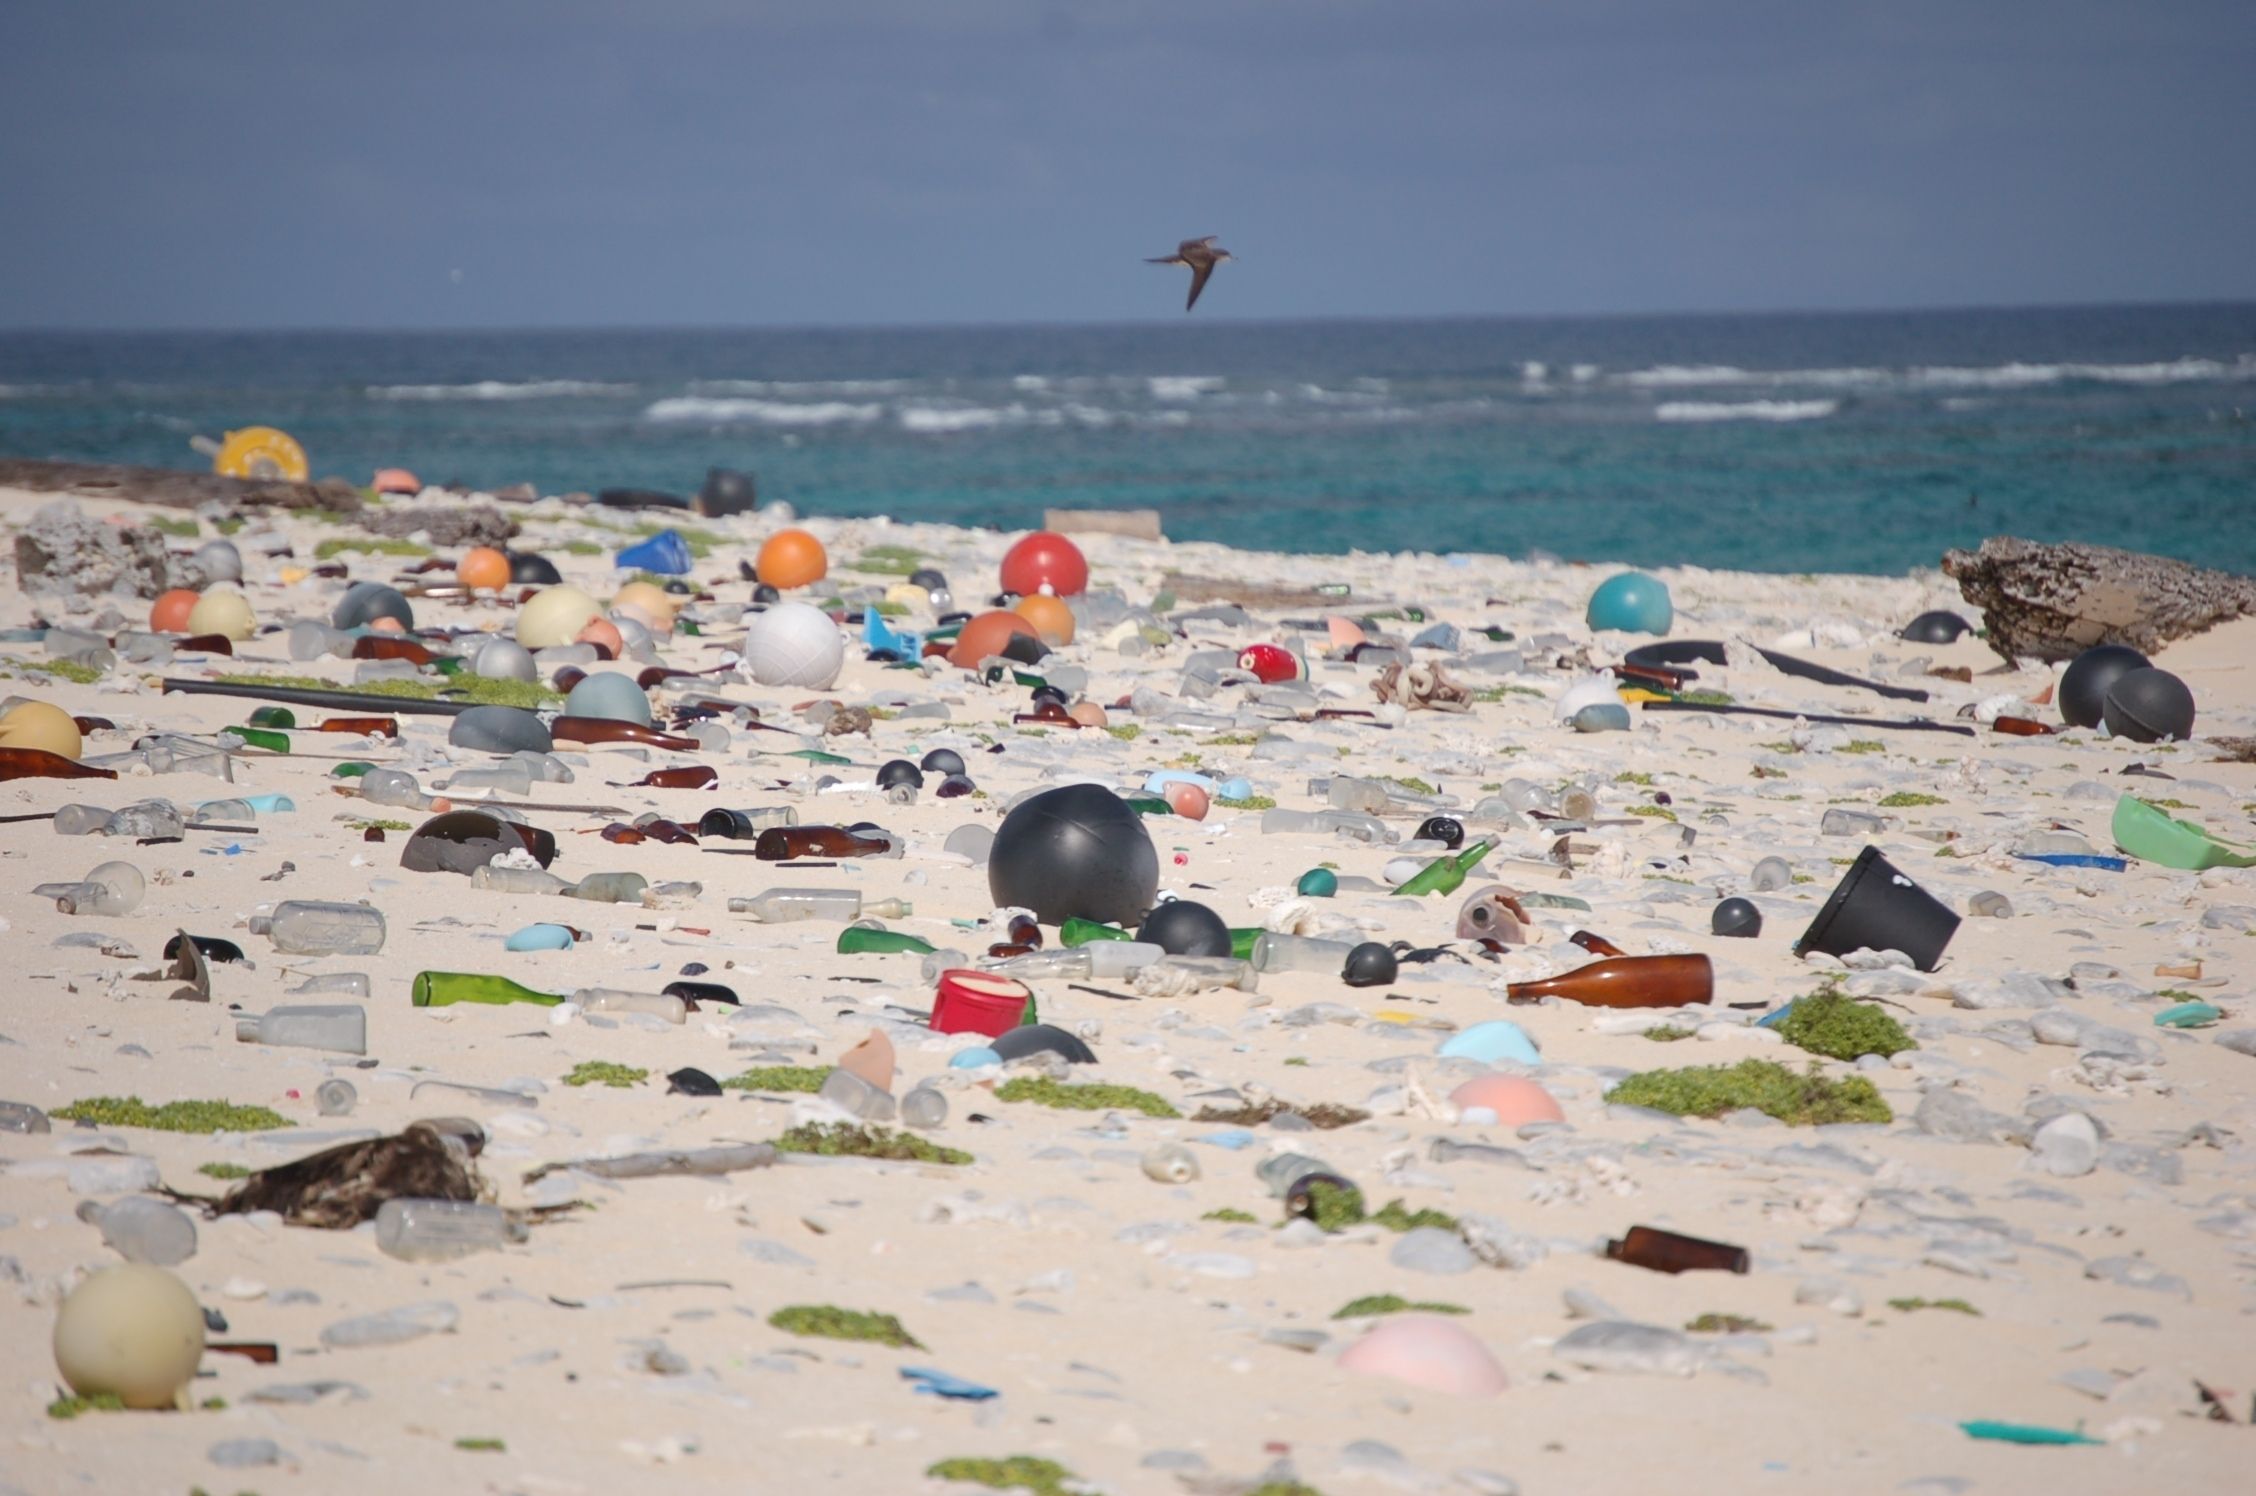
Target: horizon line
357	329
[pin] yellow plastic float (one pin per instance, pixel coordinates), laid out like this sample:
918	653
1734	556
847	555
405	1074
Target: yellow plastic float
261	452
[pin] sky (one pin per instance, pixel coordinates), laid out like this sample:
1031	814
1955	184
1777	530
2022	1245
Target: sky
232	164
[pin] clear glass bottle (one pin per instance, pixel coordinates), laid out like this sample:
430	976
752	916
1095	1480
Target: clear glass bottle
1278	952
335	983
517	879
109	888
1354	825
315	927
442	1230
393	787
339	1027
776	906
924	1107
618	1000
611	888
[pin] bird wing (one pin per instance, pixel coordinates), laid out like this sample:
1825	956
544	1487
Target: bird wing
1199	273
1190	244
1166	260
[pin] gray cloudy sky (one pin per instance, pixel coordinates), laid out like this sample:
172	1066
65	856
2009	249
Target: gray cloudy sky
167	164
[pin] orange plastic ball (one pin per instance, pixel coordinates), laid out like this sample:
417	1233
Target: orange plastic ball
987	635
169	613
1088	714
603	632
483	567
792	558
1515	1099
1186	800
1051	618
1045	559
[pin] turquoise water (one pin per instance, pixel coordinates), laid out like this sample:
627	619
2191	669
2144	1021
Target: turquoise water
1836	442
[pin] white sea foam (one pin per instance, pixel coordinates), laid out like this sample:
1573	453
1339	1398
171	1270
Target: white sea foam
499	389
2024	376
798	386
1745	410
930	419
747	412
1032	384
1183	386
1725	376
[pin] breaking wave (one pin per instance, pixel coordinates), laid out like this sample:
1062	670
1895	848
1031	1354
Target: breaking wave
749	412
1745	410
499	389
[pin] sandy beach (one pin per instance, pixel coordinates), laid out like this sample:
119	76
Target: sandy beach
1129	1334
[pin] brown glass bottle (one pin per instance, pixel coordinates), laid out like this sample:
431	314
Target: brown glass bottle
2021	727
785	843
390	647
1669	1252
1597	945
209	644
1049	714
387	727
1627	982
687	777
38	763
605	730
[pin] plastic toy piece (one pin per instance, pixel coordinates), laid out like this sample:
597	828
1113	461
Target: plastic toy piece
2154	835
2025	1433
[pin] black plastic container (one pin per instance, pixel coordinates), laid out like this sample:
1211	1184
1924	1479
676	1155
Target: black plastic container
1876	907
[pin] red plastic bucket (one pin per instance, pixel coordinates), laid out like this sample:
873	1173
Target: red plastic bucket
978	1002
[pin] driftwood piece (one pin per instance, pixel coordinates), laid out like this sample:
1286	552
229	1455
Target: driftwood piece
1197	589
448	525
173	489
2053	602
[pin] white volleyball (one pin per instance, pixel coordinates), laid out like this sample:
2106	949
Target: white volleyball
793	644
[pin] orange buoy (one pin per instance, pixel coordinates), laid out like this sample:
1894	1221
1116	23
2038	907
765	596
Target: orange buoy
1051	618
396	480
987	635
791	558
482	567
169	613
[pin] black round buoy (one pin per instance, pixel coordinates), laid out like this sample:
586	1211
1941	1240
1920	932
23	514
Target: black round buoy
928	579
1937	627
1447	830
1049	693
1370	965
766	594
532	570
365	602
2084	684
1024	649
1040	1038
942	761
726	491
1738	917
899	771
1182	928
2148	705
1075	851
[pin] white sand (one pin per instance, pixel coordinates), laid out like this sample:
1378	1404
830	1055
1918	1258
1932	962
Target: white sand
1108	1343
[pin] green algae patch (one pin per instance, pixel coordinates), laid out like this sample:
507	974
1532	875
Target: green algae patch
845	1140
1334	1205
1395	1216
806	1078
1725	1324
63	1409
1248	802
606	1073
1667	1035
1863	745
173	1116
887	560
368	545
1831	1023
1955	1306
1805	1100
1903	799
481	1446
829	1322
1090	1097
1233	1215
1652	812
223	1171
70	670
1020	1472
1325	1115
1127	732
481	690
1393	1303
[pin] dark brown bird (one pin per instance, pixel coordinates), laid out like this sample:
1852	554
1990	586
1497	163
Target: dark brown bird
1202	256
338	1188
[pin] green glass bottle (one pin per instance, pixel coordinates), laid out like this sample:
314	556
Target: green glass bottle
443	989
1079	931
353	770
1444	875
1241	943
867	940
1148	805
259	737
274	716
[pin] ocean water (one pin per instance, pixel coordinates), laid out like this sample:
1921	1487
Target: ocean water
1820	442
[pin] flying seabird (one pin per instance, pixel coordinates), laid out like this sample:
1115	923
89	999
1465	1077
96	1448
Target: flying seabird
1202	257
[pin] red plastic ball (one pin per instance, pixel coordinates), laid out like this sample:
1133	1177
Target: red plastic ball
1045	559
988	634
1269	663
